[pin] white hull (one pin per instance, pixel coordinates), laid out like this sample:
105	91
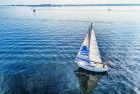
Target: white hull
92	68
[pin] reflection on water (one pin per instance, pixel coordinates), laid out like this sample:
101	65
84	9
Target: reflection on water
88	80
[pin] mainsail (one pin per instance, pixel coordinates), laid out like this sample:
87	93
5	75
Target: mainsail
89	52
94	54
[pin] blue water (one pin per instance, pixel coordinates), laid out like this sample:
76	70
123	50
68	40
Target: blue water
37	51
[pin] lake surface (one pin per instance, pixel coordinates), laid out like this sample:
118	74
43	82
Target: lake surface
38	49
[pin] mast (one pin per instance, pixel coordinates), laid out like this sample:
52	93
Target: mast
94	54
89	52
89	35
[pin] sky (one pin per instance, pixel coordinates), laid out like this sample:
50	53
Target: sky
2	2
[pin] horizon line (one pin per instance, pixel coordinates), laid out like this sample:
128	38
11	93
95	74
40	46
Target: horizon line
119	4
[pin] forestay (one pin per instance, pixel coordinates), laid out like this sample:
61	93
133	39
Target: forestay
89	52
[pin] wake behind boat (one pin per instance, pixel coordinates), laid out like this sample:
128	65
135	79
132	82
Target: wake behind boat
88	56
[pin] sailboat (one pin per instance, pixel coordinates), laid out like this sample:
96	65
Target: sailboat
88	56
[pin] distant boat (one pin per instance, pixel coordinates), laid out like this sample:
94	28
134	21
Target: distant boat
109	9
88	56
34	10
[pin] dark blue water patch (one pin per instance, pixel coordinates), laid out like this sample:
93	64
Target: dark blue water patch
29	78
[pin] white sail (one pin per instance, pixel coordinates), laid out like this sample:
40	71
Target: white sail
94	54
83	54
88	56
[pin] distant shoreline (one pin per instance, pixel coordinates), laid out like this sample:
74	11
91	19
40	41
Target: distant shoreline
69	5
